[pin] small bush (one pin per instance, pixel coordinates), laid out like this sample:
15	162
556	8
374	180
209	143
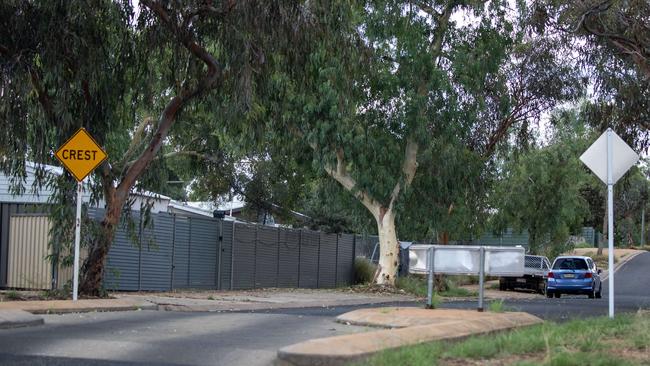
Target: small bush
497	306
414	285
364	271
13	295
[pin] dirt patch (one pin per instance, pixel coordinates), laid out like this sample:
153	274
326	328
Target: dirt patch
509	360
502	295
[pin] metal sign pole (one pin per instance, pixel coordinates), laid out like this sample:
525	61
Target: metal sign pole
481	275
77	239
430	259
610	221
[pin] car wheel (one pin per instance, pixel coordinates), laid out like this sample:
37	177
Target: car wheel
549	294
599	294
557	295
592	294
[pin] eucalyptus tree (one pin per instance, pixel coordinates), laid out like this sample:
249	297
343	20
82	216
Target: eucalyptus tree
416	88
540	190
129	75
611	39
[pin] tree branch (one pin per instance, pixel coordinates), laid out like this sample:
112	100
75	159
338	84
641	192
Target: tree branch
443	24
168	116
409	167
341	175
43	96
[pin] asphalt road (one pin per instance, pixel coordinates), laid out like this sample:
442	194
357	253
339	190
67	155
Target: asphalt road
245	338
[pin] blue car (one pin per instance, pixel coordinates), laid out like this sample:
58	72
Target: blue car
574	275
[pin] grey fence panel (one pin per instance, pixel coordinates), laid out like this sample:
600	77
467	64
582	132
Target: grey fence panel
181	267
244	257
365	246
156	254
289	259
122	270
226	254
181	252
266	261
204	238
327	261
309	259
345	260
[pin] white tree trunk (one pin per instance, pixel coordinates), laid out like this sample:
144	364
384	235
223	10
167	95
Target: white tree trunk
388	249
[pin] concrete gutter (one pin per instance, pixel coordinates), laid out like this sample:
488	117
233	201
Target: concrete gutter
80	306
409	326
17	318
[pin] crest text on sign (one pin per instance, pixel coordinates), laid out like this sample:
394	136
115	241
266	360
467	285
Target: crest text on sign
81	154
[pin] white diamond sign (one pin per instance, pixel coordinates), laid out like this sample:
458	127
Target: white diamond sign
623	157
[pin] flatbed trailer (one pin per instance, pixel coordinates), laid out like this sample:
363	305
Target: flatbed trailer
536	269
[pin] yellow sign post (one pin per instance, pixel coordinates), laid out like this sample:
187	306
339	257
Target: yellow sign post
80	155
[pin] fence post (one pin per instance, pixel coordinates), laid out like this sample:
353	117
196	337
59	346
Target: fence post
189	254
219	249
171	285
299	248
320	234
140	253
255	257
336	262
232	256
354	256
277	270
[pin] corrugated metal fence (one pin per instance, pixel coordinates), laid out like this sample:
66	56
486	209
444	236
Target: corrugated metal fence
175	252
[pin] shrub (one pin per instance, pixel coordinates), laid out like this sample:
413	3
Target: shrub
364	270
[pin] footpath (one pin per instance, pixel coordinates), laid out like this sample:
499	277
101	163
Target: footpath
25	313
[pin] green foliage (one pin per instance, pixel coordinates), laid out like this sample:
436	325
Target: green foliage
540	190
13	295
497	306
417	285
611	41
364	270
574	343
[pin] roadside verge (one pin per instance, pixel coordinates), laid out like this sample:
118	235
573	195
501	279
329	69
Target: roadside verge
407	326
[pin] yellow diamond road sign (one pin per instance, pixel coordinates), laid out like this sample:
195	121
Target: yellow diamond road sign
81	154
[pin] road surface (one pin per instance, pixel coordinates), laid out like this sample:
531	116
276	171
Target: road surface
244	338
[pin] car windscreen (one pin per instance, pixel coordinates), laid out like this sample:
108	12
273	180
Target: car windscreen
570	263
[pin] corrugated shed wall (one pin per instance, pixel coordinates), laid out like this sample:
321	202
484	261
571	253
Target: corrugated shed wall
28	267
6	211
181	252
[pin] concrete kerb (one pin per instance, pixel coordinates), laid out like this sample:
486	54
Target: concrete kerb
620	264
80	306
18	318
408	327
